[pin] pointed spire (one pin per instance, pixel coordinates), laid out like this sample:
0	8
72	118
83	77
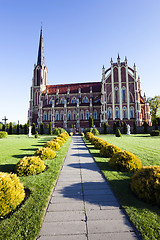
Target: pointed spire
118	56
111	61
40	60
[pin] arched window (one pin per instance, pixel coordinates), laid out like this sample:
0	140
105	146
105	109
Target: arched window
62	100
50	102
49	116
74	100
74	115
117	112
109	113
87	115
69	115
116	95
62	116
124	112
124	95
85	100
131	112
36	98
44	116
57	115
82	115
95	115
38	76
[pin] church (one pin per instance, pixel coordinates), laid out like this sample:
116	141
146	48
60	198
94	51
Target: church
117	97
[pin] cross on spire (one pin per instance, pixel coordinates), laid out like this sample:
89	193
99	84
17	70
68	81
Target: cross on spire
5	120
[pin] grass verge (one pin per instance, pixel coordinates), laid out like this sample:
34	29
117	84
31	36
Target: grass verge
24	223
145	217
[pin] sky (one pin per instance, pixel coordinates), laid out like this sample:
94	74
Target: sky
80	36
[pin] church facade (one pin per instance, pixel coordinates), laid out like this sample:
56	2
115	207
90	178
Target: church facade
117	97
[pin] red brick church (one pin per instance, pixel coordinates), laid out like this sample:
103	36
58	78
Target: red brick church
117	97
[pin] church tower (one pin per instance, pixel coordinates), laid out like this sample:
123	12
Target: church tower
39	83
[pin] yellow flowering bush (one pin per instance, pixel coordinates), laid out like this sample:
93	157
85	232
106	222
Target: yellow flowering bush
11	193
100	143
109	150
82	134
146	184
29	166
3	134
45	153
53	145
64	135
88	135
58	140
125	161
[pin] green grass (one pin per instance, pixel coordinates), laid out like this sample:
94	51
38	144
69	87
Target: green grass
145	217
25	222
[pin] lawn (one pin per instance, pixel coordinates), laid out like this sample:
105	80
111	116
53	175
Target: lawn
25	222
145	217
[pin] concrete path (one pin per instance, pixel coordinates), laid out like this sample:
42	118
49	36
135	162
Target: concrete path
83	206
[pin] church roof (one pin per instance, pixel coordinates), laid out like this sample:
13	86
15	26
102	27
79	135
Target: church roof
73	88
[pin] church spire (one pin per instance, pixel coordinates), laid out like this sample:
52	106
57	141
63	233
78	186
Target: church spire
40	60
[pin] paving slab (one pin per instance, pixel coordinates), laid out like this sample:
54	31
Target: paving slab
66	199
113	236
64	216
64	237
66	206
62	228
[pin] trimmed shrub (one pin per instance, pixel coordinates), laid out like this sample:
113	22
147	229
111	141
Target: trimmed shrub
118	133
91	122
155	133
3	134
114	128
36	135
29	166
88	135
64	135
105	126
82	134
109	150
53	145
58	140
125	162
12	193
58	131
94	131
146	184
99	144
4	128
45	153
118	124
71	133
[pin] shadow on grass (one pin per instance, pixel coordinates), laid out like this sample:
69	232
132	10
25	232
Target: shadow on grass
7	168
28	149
22	155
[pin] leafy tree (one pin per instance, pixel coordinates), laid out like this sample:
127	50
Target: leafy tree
10	128
18	128
50	128
33	128
25	128
91	122
1	125
42	128
154	104
28	123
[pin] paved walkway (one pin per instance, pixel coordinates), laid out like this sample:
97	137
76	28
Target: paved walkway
83	206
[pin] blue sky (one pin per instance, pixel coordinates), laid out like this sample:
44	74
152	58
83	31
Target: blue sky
80	36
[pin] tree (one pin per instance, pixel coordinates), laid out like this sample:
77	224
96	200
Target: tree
114	128
42	128
134	128
154	104
91	122
105	128
10	128
25	128
28	123
118	124
4	128
145	125
33	128
50	128
124	128
18	128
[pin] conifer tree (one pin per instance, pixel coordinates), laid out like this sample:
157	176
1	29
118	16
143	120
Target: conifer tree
105	128
10	128
134	128
33	129
42	128
114	128
4	128
50	128
18	129
124	128
25	128
91	122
